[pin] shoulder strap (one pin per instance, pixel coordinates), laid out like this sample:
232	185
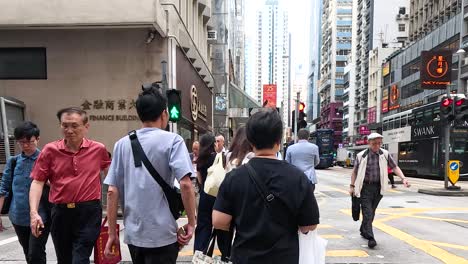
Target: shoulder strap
276	208
140	156
12	169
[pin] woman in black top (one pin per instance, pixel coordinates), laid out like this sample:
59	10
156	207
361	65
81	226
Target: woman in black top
205	207
204	227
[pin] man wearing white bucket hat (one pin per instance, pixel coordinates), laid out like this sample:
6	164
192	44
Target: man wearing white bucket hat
369	181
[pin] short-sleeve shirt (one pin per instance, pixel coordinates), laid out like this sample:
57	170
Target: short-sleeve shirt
74	177
259	237
147	218
373	167
19	208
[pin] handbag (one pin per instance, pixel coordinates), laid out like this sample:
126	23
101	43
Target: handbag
7	200
312	248
173	196
355	207
100	246
206	256
215	176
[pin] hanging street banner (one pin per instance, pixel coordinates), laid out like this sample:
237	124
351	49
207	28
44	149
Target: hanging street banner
269	95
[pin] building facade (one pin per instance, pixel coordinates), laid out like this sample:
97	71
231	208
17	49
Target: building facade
427	15
336	45
377	35
313	100
82	54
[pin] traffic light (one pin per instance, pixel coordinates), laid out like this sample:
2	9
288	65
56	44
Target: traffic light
302	123
174	104
446	109
460	108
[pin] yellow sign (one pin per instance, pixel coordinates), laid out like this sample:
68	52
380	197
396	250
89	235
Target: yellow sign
453	171
386	69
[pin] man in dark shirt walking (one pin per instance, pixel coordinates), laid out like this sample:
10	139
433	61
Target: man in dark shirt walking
261	235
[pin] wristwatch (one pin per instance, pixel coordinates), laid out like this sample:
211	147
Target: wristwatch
351	185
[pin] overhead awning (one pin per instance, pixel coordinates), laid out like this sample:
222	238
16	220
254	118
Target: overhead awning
240	99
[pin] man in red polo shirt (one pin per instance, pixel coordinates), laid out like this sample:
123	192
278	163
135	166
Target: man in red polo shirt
72	166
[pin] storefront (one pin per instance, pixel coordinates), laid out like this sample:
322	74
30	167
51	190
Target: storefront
197	101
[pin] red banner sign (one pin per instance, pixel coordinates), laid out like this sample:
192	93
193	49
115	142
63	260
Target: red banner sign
269	95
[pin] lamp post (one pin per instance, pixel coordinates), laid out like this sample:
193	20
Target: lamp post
461	83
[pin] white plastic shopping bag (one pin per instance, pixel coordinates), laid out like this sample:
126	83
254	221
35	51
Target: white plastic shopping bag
215	177
312	248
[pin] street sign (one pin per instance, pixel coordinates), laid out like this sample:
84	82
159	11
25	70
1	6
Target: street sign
453	171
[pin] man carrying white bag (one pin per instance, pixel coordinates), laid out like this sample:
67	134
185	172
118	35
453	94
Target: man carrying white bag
312	248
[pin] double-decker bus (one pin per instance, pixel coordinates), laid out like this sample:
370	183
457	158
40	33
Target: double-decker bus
416	138
323	138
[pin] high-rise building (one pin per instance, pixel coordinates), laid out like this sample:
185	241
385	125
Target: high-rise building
427	15
376	35
313	100
271	50
336	45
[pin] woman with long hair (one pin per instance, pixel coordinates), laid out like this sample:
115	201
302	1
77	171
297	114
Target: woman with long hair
240	151
206	158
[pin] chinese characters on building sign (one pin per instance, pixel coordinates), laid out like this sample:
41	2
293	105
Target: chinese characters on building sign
394	98
384	100
110	105
436	69
269	95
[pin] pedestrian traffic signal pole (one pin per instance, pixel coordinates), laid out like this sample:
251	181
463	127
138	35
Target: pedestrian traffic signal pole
447	146
297	115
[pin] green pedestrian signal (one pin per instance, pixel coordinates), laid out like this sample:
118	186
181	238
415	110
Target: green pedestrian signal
175	114
174	103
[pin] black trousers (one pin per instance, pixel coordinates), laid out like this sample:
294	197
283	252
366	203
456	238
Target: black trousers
370	198
75	231
204	228
161	255
34	248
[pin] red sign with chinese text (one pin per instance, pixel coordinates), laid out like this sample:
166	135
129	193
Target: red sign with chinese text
269	95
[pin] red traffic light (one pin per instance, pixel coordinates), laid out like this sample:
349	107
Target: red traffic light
447	102
460	102
301	107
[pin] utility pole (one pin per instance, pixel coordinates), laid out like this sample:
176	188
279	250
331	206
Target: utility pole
289	83
297	115
447	146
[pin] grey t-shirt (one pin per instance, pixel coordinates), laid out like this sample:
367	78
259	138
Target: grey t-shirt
147	218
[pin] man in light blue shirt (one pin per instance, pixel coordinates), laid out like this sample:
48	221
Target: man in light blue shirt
304	155
150	228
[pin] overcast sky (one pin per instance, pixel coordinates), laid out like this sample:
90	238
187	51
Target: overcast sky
299	24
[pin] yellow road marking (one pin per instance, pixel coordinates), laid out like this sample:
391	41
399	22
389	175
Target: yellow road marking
394	191
332	236
324	226
337	189
447	245
439	219
346	253
329	253
428	248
